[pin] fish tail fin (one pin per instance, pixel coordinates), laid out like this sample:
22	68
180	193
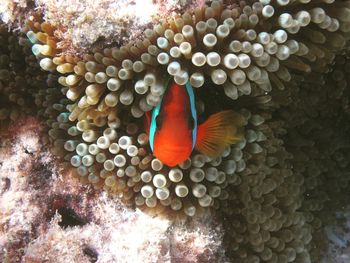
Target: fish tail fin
218	131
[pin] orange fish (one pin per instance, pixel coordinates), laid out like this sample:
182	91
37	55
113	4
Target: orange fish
174	132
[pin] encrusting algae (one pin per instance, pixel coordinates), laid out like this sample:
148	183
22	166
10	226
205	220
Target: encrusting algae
269	61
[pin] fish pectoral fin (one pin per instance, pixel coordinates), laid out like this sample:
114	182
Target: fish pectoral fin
220	130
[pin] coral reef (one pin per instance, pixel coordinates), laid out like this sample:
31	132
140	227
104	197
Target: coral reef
113	22
15	13
282	65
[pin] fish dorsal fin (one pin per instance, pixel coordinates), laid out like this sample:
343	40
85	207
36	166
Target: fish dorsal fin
220	130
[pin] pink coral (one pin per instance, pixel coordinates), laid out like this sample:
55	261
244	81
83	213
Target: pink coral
14	12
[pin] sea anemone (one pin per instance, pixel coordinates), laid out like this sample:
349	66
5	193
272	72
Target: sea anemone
238	48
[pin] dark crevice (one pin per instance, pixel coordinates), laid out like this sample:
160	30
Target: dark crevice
7	184
90	253
28	152
69	218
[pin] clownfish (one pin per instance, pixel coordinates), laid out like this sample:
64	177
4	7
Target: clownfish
174	131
